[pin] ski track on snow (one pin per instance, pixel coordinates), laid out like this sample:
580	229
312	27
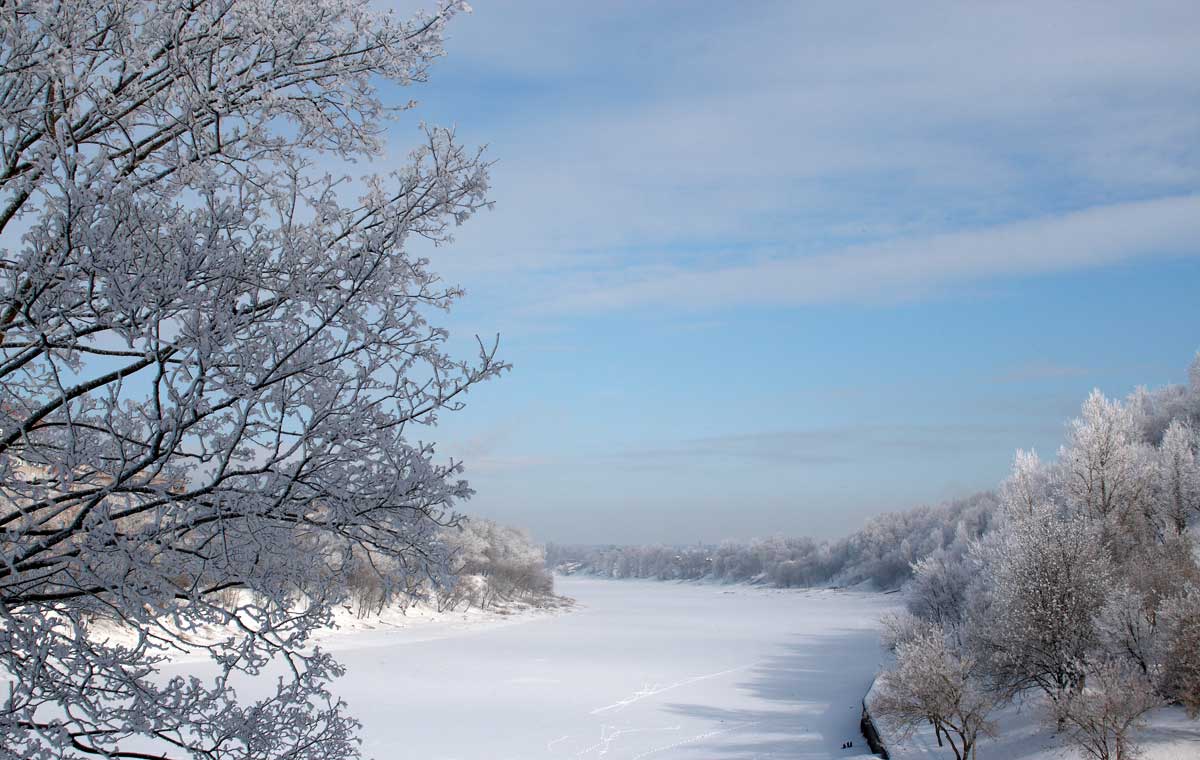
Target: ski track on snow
654	690
693	739
609	734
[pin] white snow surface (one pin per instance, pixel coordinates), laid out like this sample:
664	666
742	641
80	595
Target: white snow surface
638	669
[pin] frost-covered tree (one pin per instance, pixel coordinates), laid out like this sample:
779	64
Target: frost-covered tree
1179	475
1104	463
897	628
1159	567
933	682
1102	720
1049	575
1156	409
1126	628
213	367
493	563
1027	487
939	587
1179	641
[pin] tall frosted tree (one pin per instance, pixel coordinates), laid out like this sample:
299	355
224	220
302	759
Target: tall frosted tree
1179	475
1049	576
1027	487
213	367
1105	467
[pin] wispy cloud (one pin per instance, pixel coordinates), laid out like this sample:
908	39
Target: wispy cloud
638	142
904	269
818	446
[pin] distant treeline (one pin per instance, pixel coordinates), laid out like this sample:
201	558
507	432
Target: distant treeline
882	553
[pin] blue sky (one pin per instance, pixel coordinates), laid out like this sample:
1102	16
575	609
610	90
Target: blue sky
770	268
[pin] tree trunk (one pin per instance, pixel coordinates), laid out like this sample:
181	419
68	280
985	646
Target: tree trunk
957	754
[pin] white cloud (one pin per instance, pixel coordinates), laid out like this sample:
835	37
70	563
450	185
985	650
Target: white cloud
904	269
643	148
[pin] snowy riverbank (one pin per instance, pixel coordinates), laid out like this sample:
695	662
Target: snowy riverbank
394	624
1021	735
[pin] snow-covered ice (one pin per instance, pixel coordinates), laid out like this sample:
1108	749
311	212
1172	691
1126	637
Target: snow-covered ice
640	669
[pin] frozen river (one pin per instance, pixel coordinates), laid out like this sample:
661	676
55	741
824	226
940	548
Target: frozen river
638	670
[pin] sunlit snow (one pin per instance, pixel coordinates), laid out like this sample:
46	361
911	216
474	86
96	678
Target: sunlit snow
639	669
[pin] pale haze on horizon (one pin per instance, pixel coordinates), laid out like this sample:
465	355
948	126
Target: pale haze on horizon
774	268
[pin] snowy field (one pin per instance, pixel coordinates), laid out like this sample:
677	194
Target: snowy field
637	670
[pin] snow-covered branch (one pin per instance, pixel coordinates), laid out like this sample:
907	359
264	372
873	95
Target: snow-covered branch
212	364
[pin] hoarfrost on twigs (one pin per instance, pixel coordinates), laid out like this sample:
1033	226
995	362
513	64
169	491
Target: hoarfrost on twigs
212	366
